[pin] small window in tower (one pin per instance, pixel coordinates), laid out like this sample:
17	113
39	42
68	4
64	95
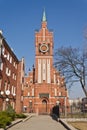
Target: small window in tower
28	94
58	81
22	79
39	47
49	47
60	93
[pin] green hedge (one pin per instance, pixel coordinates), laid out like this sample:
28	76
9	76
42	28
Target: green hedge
11	112
20	116
4	119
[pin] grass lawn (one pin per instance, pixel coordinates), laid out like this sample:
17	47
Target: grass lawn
80	125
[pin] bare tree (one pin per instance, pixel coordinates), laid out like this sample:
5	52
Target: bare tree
72	62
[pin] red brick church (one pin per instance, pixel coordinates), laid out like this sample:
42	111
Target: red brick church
44	85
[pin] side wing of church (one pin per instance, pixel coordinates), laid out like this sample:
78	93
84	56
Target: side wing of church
44	86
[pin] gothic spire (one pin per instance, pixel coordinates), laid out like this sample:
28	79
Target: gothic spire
44	16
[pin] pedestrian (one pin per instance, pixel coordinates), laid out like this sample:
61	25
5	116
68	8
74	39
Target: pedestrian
55	113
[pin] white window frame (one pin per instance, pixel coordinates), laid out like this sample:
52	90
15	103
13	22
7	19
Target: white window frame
10	59
15	77
8	56
1	66
12	89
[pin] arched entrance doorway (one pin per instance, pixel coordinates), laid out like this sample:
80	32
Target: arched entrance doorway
44	106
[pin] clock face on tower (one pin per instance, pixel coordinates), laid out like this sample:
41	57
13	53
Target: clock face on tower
44	48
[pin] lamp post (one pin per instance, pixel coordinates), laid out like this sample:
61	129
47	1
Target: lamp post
65	111
65	106
7	92
1	100
30	105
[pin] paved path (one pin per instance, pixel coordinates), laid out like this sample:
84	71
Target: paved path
39	123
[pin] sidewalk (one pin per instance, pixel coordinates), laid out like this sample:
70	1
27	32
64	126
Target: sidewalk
62	121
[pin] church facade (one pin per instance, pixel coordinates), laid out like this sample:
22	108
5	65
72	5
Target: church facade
44	85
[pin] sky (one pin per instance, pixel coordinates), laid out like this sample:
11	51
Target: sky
20	18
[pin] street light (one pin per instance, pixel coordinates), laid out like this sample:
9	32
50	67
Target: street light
2	92
7	99
7	92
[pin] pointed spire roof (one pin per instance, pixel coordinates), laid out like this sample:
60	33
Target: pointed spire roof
44	16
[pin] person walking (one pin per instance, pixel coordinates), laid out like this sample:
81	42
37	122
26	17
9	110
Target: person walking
55	112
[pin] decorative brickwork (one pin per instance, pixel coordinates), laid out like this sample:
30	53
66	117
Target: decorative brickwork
44	86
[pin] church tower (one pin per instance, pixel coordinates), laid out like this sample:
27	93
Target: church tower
44	86
44	53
